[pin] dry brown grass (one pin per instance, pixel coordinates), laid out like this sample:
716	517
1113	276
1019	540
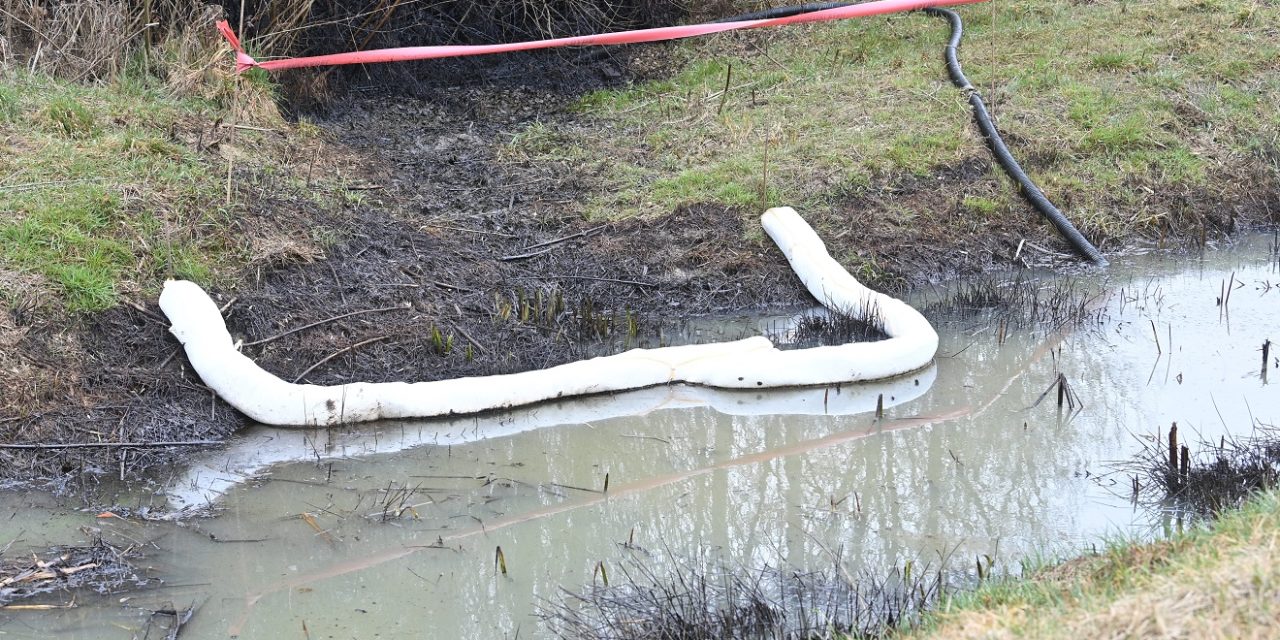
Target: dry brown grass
30	382
101	40
1220	584
70	39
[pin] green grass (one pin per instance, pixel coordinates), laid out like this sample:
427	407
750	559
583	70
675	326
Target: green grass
1221	581
1106	104
100	194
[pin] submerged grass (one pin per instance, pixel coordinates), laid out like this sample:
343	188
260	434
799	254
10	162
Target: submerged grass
1123	112
1018	302
704	598
1199	481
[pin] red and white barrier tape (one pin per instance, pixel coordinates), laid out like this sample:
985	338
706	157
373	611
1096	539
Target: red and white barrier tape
401	54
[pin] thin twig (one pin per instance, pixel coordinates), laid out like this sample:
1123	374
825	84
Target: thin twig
452	287
640	437
338	353
316	324
164	363
143	311
475	231
245	127
528	252
108	445
569	486
50	183
595	278
463	333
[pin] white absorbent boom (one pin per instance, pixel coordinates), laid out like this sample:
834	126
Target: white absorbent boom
751	363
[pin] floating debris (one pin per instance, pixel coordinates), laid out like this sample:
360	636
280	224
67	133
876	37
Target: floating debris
100	566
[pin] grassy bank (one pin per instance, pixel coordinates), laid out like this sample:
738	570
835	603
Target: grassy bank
165	168
103	196
1218	582
113	186
1139	119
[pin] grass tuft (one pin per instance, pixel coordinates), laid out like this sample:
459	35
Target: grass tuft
1222	581
71	118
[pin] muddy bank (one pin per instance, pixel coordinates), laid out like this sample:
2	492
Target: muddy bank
481	266
458	258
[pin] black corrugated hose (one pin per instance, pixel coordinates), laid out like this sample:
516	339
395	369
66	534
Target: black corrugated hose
1029	190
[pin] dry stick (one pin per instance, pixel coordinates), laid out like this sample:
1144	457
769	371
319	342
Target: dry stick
1155	335
316	324
143	311
527	253
598	279
446	285
475	231
49	183
338	281
37	607
338	353
463	333
107	445
724	95
764	177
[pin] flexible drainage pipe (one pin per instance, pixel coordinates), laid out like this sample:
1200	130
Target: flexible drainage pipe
1029	190
745	364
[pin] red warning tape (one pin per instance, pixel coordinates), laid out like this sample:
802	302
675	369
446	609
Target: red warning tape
400	54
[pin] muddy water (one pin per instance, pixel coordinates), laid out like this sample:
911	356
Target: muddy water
393	531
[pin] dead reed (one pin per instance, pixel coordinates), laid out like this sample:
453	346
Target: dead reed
99	39
1202	480
1024	301
711	599
835	327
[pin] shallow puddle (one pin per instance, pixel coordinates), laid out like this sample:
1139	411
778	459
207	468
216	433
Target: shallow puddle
393	530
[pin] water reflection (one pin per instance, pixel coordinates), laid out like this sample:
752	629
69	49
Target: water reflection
410	515
261	447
